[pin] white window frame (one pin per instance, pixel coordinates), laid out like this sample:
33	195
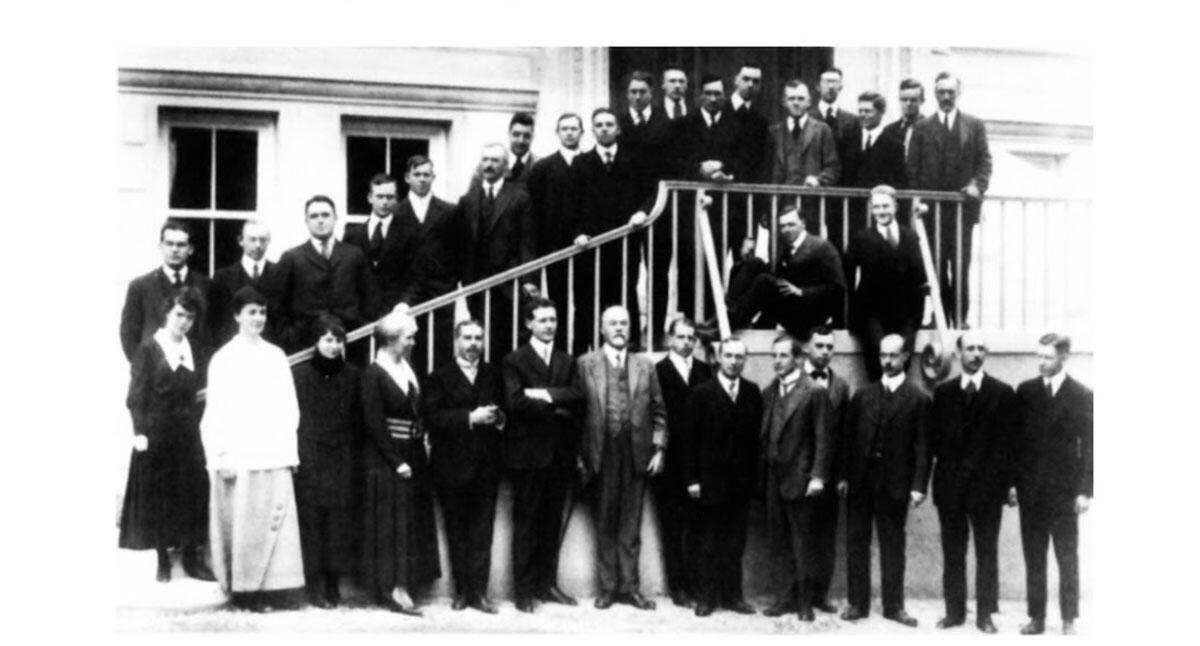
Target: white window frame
436	133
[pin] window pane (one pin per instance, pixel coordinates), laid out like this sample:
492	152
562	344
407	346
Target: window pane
200	241
237	170
228	251
365	156
191	168
402	149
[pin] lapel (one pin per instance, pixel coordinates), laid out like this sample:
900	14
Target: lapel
506	195
595	364
539	366
961	124
895	403
635	370
314	257
807	133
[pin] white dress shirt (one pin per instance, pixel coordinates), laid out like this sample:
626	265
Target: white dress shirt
568	154
710	118
682	364
249	265
893	228
170	273
738	102
872	135
892	383
616	357
729	385
375	221
493	187
825	107
178	353
791	123
607	153
799	241
317	244
809	368
948	118
420	206
644	112
669	106
788	382
470	369
1055	382
400	372
976	379
542	349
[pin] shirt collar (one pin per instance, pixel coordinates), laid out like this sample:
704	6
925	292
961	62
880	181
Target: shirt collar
615	357
170	273
541	348
512	159
317	243
976	378
1056	381
874	132
645	112
791	123
669	104
892	383
399	371
738	102
790	378
894	226
469	368
415	199
568	154
952	115
610	149
177	353
710	118
682	364
825	107
809	367
496	186
799	240
726	382
248	264
374	220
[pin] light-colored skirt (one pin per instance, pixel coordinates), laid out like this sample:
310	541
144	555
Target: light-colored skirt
254	531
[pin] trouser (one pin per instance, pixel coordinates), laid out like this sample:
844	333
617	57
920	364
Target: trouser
754	289
1042	521
873	332
328	540
538	498
470	512
944	243
866	504
720	542
984	521
824	543
677	516
619	516
790	527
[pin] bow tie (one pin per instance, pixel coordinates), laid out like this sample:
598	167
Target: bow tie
819	374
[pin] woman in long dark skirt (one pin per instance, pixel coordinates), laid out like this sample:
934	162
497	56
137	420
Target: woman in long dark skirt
166	494
400	549
329	481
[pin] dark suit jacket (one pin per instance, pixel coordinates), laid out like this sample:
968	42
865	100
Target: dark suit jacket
815	268
555	191
752	144
436	269
797	445
142	314
720	441
838	393
694	142
460	453
227	281
648	141
846	124
1053	443
818	154
901	133
539	435
647	412
392	264
903	419
492	243
891	287
936	162
342	286
883	163
972	445
675	393
609	197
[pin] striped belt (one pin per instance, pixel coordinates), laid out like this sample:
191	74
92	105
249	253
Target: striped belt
402	429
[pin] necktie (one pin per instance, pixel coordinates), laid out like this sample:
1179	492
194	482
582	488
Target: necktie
867	143
795	127
831	117
255	275
677	110
377	238
946	122
733	391
640	119
491	200
712	120
178	281
517	168
891	237
325	249
744	108
970	392
608	160
1049	390
786	387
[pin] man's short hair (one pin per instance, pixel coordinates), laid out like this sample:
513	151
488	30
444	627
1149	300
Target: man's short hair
797	347
603	110
817	330
639	75
1060	342
536	304
876	100
674	68
523	118
416	161
320	198
252	222
682	319
569	115
796	83
461	325
175	225
912	84
945	74
729	339
790	209
380	179
754	65
884	189
835	70
709	77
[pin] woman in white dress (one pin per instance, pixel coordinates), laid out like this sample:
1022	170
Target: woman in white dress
249	435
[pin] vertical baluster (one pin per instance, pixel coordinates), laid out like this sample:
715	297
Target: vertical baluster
823	229
774	232
570	322
679	277
724	232
751	227
487	324
1024	264
698	265
596	301
979	257
429	342
516	302
648	255
370	347
937	244
212	246
545	286
624	271
958	267
845	223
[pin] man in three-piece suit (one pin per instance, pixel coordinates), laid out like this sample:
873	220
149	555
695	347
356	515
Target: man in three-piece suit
720	447
462	406
797	452
889	296
1052	478
678	372
324	276
495	232
555	192
949	152
844	125
818	351
885	468
971	437
802	150
390	242
251	269
544	398
142	314
623	441
806	289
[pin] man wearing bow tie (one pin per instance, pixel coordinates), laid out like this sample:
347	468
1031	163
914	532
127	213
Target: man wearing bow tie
971	437
141	315
252	269
1053	478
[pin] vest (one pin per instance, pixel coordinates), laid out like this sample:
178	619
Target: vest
616	404
793	159
777	420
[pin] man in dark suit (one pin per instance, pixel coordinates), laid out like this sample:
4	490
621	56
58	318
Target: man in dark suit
885	468
520	138
844	125
324	276
874	158
806	289
675	87
678	372
541	447
802	150
390	242
720	447
643	125
615	191
889	295
555	191
912	97
1053	478
142	314
496	232
818	351
949	152
752	125
624	438
462	406
251	269
971	437
797	453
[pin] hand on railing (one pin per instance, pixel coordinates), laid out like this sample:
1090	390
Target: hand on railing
714	171
637	219
972	191
812	181
581	240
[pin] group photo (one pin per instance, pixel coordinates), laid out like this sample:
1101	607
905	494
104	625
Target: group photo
756	340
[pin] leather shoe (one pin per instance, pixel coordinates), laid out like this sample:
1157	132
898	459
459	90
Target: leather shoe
902	617
195	567
459	603
951	622
391	605
854	614
636	600
682	600
524	605
780	609
823	605
704	609
740	607
554	595
318	600
805	613
1068	626
605	601
1034	627
484	605
984	623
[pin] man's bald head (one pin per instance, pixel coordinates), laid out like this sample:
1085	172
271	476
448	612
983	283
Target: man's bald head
972	350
